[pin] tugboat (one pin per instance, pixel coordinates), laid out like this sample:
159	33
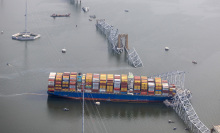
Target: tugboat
60	15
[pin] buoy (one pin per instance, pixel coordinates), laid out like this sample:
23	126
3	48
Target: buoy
174	128
166	48
65	109
64	50
97	103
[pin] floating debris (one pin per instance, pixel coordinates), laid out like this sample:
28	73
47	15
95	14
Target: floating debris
85	9
65	109
126	10
174	128
64	50
60	15
166	48
90	19
170	121
194	62
92	16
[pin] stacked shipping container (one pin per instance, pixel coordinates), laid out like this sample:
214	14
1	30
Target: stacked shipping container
51	81
58	81
65	81
88	82
143	85
117	83
102	83
165	89
110	83
79	82
137	85
124	84
96	83
158	86
73	79
151	86
172	90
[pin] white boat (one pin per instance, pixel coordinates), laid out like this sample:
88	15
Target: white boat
25	36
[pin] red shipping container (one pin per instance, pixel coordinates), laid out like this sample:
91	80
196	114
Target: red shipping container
165	91
143	93
51	79
151	93
97	90
72	83
137	77
164	81
58	82
73	73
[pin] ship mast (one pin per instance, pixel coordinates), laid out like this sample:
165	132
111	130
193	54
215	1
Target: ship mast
25	18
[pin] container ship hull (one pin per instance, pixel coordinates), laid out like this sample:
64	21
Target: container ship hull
110	97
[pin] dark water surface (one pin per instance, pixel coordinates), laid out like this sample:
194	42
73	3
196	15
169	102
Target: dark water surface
190	28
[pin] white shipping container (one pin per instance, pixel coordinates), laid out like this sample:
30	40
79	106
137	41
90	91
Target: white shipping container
96	80
150	89
165	94
117	80
95	86
150	80
51	83
151	84
86	90
53	73
52	77
102	91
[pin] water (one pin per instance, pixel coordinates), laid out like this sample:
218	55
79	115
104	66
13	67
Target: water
190	28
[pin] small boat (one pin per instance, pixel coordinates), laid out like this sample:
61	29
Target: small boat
85	9
166	48
60	15
126	10
64	50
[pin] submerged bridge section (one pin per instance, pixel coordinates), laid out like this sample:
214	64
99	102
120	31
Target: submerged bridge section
116	41
181	103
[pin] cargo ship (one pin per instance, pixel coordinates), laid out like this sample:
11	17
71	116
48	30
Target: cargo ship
110	87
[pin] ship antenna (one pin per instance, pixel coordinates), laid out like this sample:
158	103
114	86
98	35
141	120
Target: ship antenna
26	18
83	112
